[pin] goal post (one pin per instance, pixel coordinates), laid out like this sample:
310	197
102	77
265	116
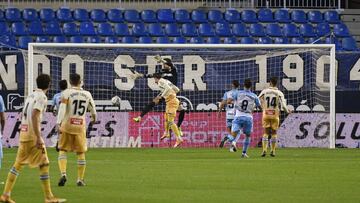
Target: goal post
307	75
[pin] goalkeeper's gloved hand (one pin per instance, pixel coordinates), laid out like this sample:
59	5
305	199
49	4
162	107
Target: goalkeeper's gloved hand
136	75
158	58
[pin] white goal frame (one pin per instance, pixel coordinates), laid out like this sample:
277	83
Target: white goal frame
332	116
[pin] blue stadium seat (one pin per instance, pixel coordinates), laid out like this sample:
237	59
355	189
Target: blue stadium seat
52	28
315	17
198	16
59	39
182	16
8	40
290	30
213	40
172	30
42	39
297	40
2	15
4	29
99	15
307	30
162	40
249	16
47	14
165	16
24	41
148	16
264	40
215	16
121	29
70	29
13	15
323	29
341	30
132	16
115	16
333	40
179	40
30	14
35	28
111	40
230	40
156	30
331	17
281	40
247	40
257	30
349	44
76	39
93	39
81	15
232	16
128	40
189	30
298	16
87	29
315	40
145	40
282	16
64	15
105	29
139	29
19	28
265	15
240	30
223	29
206	30
196	40
273	30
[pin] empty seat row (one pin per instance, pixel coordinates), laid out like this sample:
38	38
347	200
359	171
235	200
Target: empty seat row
223	29
169	16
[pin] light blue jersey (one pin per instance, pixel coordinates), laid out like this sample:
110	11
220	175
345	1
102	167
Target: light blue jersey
2	105
229	108
2	109
245	102
56	100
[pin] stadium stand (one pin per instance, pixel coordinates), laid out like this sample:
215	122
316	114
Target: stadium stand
18	27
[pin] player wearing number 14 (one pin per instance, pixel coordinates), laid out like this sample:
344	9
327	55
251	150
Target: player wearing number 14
71	118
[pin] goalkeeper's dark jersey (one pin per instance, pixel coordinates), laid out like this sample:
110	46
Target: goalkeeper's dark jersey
170	75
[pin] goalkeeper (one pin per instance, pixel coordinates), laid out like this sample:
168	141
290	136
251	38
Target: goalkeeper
167	72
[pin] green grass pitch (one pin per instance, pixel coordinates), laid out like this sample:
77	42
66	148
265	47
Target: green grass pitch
199	175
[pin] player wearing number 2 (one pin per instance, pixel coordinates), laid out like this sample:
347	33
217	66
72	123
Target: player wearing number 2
72	126
272	100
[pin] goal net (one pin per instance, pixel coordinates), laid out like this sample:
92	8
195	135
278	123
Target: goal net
306	76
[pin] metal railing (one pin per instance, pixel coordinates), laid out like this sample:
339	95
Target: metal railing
187	4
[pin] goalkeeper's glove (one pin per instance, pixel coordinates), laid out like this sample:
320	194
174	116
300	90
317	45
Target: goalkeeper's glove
136	75
159	59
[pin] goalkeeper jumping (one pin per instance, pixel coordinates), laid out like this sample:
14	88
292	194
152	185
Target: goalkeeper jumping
167	72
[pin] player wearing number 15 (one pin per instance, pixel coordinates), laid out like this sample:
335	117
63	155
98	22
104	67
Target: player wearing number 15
71	118
272	100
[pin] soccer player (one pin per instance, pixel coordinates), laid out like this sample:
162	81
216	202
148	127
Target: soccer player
2	126
57	97
72	126
272	100
168	92
32	149
229	112
168	72
245	102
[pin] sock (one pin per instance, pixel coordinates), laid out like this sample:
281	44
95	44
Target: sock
167	127
45	181
175	129
81	166
230	138
181	118
62	161
273	143
147	108
237	136
246	144
265	142
11	179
